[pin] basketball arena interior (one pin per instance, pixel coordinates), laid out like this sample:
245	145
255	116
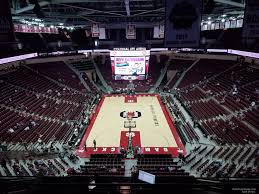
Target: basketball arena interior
129	96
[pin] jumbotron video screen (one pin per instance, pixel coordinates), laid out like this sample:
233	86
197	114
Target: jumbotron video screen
129	64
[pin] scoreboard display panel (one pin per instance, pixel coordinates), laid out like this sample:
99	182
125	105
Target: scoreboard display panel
130	64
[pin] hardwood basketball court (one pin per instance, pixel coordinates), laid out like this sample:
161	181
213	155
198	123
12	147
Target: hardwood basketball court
154	132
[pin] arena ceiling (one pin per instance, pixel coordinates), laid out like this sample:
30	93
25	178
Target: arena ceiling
111	13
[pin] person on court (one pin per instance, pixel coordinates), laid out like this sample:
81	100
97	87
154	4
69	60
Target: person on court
94	142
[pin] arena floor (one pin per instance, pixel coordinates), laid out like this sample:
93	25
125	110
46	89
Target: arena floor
154	132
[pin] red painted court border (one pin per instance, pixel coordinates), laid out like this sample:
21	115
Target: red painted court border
172	127
88	130
174	151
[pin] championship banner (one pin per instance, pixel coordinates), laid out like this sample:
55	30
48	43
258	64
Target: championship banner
183	21
239	23
156	32
102	33
6	23
159	31
95	30
131	31
251	19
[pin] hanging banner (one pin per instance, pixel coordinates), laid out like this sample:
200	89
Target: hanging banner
34	29
217	26
6	23
102	33
251	19
156	32
183	19
161	31
239	23
131	31
95	30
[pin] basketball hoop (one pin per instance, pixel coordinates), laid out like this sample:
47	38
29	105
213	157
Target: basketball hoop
130	124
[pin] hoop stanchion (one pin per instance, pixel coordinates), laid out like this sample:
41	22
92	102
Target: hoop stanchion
130	124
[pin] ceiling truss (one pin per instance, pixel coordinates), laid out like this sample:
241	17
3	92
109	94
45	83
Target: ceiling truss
109	12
